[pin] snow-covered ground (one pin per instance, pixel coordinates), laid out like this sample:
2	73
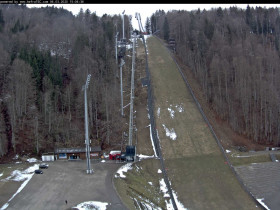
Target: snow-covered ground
171	112
260	200
151	137
141	157
158	111
92	205
19	176
164	190
122	169
170	132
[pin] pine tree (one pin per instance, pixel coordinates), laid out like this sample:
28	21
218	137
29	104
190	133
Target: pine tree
166	29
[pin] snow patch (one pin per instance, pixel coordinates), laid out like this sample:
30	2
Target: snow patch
92	205
122	169
16	157
103	161
260	200
158	111
141	157
169	205
163	188
170	133
159	171
1	174
171	112
228	151
152	140
147	36
17	175
180	108
150	183
32	160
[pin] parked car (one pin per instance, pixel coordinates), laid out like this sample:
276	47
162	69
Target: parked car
43	165
38	171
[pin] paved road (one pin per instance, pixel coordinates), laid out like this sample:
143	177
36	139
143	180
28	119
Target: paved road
67	180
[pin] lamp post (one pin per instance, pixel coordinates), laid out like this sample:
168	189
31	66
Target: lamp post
89	170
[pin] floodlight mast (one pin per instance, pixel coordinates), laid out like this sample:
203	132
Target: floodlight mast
89	170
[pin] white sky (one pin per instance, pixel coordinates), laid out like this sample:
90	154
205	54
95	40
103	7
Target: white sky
145	10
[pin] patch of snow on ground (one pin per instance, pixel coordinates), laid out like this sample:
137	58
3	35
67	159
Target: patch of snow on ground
150	183
1	174
163	188
159	171
228	151
103	161
262	203
141	157
146	37
122	169
169	205
17	175
171	112
179	108
158	111
32	160
92	205
170	133
178	203
152	140
16	157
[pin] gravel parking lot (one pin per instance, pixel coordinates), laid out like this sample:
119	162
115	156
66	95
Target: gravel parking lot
67	180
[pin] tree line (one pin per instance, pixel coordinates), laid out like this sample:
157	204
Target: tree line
46	55
234	55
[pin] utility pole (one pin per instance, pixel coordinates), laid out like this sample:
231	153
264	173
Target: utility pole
121	86
132	93
89	170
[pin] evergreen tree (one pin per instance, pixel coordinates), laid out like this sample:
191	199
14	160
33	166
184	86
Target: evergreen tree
148	26
166	29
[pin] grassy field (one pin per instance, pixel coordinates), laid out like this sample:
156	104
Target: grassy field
135	189
196	167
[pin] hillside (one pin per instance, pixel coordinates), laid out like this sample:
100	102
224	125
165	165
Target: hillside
234	56
46	55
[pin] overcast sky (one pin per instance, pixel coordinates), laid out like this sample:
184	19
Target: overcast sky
145	10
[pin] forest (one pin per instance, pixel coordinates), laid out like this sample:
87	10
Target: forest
46	55
234	55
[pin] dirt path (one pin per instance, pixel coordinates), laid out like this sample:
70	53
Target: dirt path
195	165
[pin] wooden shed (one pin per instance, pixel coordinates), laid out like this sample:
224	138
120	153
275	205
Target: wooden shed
77	153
